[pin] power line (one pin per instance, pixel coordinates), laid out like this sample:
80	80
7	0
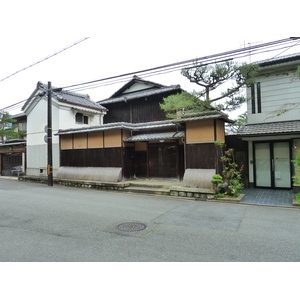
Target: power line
237	54
96	84
46	58
215	58
205	59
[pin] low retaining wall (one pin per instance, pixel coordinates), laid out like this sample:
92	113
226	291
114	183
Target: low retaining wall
175	191
118	186
90	174
198	178
200	194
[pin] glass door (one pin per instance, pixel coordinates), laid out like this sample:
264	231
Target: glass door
282	165
273	165
263	165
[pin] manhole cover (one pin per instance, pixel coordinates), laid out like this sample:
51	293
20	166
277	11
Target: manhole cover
131	226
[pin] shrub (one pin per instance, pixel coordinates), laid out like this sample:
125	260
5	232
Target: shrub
296	161
232	174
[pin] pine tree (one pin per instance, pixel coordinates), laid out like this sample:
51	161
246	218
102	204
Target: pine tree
7	127
211	78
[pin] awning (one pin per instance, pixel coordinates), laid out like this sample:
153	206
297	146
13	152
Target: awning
174	135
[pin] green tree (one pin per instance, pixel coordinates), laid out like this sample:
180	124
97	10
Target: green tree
212	78
233	128
7	127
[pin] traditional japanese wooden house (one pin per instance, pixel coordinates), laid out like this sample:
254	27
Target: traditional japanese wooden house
140	140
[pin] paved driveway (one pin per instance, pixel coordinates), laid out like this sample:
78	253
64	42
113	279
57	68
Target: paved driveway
268	197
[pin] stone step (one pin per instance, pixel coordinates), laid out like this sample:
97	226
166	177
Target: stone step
148	190
149	185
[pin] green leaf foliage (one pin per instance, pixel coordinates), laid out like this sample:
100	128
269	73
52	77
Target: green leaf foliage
211	78
233	128
7	127
180	103
230	183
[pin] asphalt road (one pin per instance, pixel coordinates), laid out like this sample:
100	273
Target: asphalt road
41	223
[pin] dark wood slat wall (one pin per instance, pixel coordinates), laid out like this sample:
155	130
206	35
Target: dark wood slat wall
128	163
102	157
240	155
200	156
117	112
163	160
147	111
136	111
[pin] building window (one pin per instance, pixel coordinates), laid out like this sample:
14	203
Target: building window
258	97
253	98
22	126
80	118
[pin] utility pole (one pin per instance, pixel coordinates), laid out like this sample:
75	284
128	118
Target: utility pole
49	136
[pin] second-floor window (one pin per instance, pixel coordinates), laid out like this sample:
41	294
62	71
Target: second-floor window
256	98
81	118
22	126
253	98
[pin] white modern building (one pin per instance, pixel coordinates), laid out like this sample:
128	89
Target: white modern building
273	130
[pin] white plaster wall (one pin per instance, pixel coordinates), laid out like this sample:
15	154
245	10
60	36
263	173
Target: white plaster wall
67	118
36	159
63	117
137	87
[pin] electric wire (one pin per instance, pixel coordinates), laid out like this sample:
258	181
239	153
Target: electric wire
46	58
99	83
287	48
205	59
214	58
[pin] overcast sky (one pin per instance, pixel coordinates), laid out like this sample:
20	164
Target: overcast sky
126	36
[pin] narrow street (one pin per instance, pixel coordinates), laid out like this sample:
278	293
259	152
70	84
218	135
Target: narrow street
44	224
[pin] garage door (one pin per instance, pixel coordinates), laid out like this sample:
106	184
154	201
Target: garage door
9	162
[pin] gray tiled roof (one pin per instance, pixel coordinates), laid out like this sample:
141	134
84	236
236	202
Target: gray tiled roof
275	128
122	125
157	125
82	100
279	59
78	99
140	94
156	136
204	115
